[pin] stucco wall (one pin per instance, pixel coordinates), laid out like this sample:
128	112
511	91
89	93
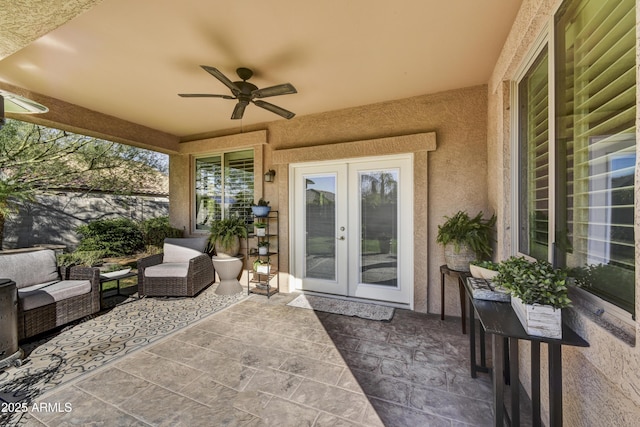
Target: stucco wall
601	384
455	178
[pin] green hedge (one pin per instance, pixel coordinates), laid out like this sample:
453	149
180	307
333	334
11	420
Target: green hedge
155	230
113	237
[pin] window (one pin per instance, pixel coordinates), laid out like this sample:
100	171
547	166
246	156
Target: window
534	159
223	187
594	148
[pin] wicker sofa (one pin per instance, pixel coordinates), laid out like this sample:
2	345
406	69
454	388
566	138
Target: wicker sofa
48	296
181	270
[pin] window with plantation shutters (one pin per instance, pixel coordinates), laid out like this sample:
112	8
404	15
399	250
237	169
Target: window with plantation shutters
593	144
238	186
223	187
595	129
533	221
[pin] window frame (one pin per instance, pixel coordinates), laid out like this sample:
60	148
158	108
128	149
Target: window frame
546	39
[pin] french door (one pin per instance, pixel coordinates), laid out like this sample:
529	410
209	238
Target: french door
353	228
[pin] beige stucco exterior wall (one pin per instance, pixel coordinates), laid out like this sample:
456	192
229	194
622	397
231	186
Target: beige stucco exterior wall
450	178
601	384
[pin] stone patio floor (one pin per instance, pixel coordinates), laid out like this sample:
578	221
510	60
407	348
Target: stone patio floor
263	363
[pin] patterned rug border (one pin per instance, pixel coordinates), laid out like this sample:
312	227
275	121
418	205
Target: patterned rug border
96	341
363	310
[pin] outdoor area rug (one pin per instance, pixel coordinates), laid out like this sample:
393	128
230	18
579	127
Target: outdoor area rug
102	338
347	308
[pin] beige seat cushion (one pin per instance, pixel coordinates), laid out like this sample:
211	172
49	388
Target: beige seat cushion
40	295
168	269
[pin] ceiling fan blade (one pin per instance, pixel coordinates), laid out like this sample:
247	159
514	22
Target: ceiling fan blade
204	95
283	89
218	75
275	109
238	112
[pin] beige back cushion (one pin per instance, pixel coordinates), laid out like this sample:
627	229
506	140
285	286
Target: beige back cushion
183	249
29	268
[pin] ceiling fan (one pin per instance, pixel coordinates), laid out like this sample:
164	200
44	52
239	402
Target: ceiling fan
246	92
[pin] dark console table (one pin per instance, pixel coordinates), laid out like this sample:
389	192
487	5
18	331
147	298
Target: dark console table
460	276
499	320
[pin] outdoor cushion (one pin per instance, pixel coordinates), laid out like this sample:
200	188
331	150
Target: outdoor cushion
197	243
183	249
29	268
38	296
168	269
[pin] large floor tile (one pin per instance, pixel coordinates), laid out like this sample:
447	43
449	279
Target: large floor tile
262	363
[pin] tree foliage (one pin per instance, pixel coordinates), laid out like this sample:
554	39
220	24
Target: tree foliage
37	159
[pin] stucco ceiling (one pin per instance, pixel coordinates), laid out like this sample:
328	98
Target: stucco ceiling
130	59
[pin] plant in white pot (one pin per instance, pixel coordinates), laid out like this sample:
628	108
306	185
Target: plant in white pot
261	228
484	269
465	239
261	266
538	294
263	247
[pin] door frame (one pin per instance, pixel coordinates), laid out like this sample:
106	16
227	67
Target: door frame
409	274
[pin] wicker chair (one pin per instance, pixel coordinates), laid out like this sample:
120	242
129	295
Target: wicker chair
49	296
182	270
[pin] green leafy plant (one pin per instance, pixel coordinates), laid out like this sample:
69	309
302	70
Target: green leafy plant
114	237
258	262
461	229
260	224
155	230
262	202
226	230
489	265
533	282
263	243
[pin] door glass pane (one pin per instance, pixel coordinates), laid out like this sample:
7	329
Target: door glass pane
379	227
320	227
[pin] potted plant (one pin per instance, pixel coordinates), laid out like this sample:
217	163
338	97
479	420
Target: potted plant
261	228
263	247
262	208
465	239
225	236
261	266
483	269
538	294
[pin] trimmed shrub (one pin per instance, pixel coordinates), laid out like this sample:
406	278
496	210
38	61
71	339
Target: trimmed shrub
113	237
155	230
84	258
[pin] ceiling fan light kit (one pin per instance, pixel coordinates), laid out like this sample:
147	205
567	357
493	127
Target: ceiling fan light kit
246	92
16	104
